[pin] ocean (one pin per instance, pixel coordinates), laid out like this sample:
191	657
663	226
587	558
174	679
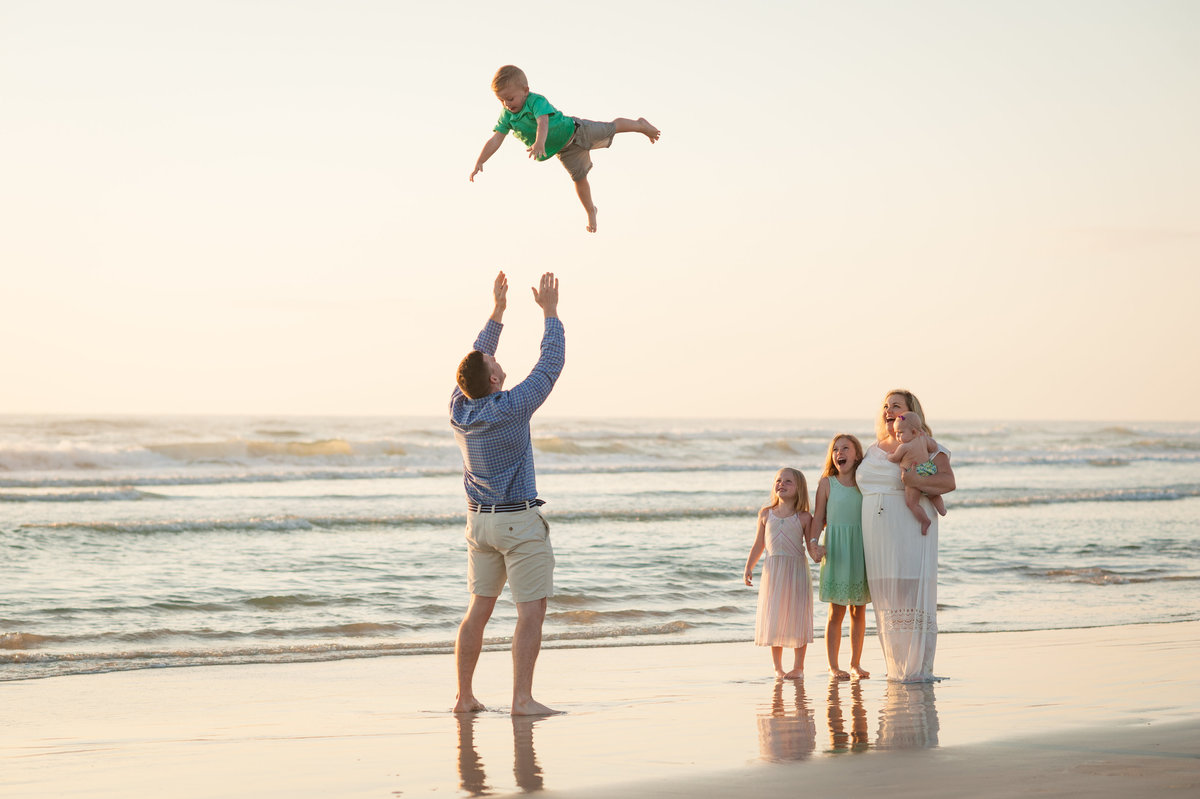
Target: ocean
149	542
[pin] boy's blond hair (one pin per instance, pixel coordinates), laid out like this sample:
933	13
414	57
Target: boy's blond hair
509	74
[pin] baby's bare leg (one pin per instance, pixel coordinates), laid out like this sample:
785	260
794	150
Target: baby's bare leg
639	125
912	498
939	504
584	190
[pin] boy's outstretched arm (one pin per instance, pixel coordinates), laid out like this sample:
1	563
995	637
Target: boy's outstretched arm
489	149
538	150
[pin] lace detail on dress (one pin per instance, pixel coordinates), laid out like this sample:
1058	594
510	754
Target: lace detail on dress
908	619
847	588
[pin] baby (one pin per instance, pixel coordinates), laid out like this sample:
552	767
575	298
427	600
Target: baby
547	131
916	451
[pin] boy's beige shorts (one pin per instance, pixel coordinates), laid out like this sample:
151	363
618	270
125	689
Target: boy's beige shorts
513	547
589	135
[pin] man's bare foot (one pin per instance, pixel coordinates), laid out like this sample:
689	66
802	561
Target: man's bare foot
838	674
533	708
652	133
794	674
591	228
859	672
468	705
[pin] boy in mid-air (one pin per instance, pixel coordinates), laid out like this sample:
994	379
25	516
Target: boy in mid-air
548	132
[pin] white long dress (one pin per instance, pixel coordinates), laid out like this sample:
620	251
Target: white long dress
901	569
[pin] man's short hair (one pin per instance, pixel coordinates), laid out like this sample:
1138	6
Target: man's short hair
509	74
474	376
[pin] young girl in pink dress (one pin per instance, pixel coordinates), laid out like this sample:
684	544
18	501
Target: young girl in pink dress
785	603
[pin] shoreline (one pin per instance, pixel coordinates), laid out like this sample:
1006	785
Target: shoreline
548	645
1109	706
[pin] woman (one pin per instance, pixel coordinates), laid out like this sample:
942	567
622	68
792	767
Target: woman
901	563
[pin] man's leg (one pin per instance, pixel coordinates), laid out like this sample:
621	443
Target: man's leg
467	648
527	643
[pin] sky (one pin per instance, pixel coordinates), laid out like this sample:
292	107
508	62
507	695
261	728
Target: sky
263	207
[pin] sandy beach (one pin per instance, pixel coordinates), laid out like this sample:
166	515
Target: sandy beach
1104	711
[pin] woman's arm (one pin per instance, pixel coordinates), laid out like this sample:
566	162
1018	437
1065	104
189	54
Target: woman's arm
934	484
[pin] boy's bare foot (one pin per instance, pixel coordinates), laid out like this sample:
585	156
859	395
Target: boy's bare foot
591	227
859	672
652	133
839	674
794	674
468	705
532	708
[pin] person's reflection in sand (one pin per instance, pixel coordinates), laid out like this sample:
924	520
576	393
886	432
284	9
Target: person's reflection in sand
908	718
472	777
858	739
470	767
525	765
787	733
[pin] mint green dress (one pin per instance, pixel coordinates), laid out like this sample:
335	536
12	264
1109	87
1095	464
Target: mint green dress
844	569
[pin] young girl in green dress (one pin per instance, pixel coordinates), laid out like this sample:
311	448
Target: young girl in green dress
843	568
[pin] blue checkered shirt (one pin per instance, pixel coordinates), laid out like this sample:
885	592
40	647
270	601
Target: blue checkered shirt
493	431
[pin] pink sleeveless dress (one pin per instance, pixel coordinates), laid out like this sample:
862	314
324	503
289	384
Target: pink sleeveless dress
785	600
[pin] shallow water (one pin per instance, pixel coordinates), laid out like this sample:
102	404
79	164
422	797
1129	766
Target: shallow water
132	543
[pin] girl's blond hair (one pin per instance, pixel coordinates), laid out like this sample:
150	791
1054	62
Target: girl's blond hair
831	467
801	490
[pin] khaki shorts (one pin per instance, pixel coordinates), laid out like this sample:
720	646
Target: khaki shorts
510	546
589	135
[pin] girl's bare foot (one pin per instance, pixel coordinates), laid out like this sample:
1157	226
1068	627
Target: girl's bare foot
591	227
794	674
859	672
838	674
652	133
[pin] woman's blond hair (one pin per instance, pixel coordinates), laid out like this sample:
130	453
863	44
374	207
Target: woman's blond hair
801	490
831	467
911	404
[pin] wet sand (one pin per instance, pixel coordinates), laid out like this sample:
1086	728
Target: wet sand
1105	711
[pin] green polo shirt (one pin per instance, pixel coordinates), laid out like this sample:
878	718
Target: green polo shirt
523	124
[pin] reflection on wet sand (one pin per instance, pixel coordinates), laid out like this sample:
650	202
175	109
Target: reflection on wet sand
858	738
472	777
908	718
787	733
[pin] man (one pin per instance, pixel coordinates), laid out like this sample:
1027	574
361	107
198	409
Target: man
507	536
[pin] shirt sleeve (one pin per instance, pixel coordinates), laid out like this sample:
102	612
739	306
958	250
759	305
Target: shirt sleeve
539	106
528	395
502	124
